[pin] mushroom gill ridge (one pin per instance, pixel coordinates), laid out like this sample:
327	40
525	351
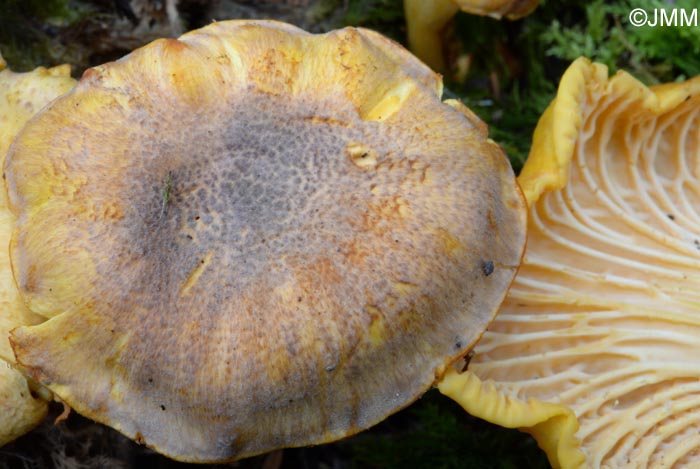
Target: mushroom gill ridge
603	318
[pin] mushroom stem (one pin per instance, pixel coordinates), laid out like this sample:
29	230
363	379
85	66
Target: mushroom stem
425	21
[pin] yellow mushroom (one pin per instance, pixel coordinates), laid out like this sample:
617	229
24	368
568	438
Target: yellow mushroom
426	19
254	237
21	96
595	350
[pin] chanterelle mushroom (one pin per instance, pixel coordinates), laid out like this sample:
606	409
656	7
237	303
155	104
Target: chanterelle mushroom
596	348
425	20
21	96
253	237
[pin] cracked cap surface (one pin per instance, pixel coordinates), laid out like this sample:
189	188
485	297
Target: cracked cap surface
253	237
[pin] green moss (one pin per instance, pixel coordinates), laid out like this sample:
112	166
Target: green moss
510	80
31	32
653	54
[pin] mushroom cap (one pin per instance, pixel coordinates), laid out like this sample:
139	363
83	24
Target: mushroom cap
21	96
254	237
599	338
426	19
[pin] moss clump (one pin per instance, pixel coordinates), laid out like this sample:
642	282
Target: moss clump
654	54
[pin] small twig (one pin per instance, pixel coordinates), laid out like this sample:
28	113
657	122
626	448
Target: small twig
166	192
64	415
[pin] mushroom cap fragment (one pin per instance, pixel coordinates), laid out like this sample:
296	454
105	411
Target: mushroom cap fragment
425	20
254	237
603	319
511	9
21	96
